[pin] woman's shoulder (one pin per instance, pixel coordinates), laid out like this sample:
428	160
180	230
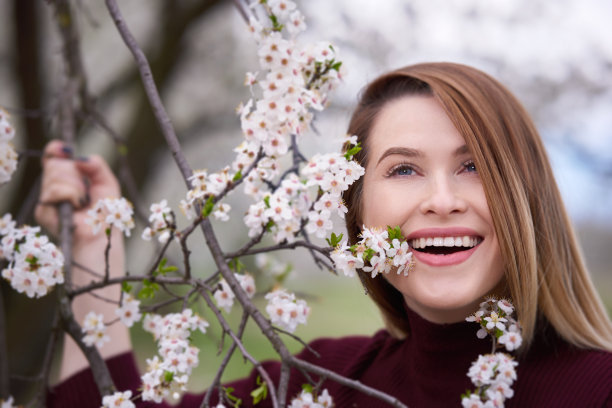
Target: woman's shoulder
556	371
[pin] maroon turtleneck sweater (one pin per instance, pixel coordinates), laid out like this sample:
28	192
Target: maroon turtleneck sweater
428	369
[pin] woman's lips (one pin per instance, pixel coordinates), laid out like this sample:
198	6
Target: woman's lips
444	260
439	259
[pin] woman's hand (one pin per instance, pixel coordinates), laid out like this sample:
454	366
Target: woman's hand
81	181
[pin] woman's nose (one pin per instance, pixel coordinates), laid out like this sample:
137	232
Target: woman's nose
442	197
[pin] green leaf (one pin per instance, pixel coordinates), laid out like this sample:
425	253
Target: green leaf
228	393
395	233
163	269
107	232
352	151
148	289
498	333
334	240
260	393
337	66
308	388
276	26
168	376
126	287
269	225
368	254
236	265
267	201
281	278
237	176
208	206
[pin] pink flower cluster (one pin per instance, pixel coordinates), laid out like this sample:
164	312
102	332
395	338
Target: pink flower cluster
161	222
35	265
95	330
111	212
376	252
203	186
285	311
224	295
168	376
494	374
8	156
311	199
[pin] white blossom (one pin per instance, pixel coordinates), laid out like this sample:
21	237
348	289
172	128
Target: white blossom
35	265
111	212
95	330
8	155
285	310
167	377
129	311
118	400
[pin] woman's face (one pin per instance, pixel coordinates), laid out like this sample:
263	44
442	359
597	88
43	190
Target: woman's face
420	176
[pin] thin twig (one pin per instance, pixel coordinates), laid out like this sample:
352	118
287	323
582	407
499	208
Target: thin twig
299	340
217	380
357	385
87	270
288	245
131	278
107	255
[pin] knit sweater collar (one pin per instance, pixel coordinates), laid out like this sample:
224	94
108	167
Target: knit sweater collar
427	336
442	351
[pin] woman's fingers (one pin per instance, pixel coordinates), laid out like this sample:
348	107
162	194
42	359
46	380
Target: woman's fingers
61	181
103	183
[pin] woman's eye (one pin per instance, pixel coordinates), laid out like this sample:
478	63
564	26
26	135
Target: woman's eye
470	167
401	170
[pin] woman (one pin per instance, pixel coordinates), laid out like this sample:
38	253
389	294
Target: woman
450	153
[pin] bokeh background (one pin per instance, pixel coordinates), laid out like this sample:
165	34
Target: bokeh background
555	56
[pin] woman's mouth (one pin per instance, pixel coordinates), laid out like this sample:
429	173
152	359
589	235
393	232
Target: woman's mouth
444	251
444	245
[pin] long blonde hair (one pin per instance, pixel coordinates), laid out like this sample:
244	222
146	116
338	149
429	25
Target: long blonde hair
544	269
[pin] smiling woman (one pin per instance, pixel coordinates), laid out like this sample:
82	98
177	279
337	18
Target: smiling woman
422	177
450	153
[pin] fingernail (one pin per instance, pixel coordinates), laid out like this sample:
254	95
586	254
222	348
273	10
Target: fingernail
67	150
82	158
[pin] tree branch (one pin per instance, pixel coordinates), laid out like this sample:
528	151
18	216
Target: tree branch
151	90
357	385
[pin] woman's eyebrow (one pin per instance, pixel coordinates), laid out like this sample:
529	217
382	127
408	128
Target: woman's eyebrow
462	150
402	151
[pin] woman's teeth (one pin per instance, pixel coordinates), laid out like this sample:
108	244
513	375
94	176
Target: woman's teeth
465	241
